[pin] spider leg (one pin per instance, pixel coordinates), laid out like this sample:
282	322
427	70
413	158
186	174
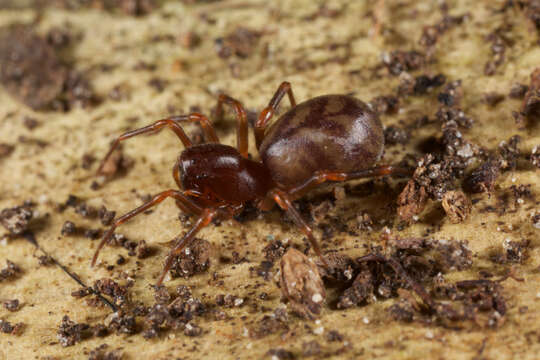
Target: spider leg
204	219
285	203
173	123
241	117
323	176
188	204
268	112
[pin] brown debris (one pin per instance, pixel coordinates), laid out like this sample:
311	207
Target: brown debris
101	353
105	216
451	94
280	354
395	135
275	250
241	42
535	156
10	271
193	260
5	150
512	252
301	284
16	219
509	152
399	61
499	42
69	333
385	104
425	83
136	7
530	109
493	98
117	164
123	323
30	70
518	91
457	206
361	291
483	178
7	328
411	201
447	114
12	305
111	288
431	33
311	348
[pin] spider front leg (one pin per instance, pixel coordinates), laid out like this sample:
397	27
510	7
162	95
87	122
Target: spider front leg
171	122
241	117
188	205
204	219
268	112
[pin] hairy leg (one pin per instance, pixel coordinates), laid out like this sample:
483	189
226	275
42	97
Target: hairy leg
268	112
178	195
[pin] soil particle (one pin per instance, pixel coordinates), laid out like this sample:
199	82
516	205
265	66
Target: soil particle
411	201
117	164
509	152
275	250
512	252
194	259
395	135
12	305
493	98
425	83
106	217
123	323
11	271
535	156
446	114
143	250
30	70
280	354
457	206
385	104
311	348
111	288
451	94
530	108
361	291
102	352
69	228
483	178
398	61
518	91
69	332
229	300
16	219
30	123
5	150
431	33
270	324
301	284
241	42
7	328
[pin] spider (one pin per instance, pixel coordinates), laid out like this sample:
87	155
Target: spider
326	138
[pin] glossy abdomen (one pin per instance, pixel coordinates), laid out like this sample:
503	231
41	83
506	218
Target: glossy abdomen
221	172
331	132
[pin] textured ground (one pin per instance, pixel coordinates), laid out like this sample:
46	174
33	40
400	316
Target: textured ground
160	69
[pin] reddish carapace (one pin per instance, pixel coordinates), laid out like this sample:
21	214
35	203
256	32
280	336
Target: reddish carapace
327	138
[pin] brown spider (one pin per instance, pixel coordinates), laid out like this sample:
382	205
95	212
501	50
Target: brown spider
327	138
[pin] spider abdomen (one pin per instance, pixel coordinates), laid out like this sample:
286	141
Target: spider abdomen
326	133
